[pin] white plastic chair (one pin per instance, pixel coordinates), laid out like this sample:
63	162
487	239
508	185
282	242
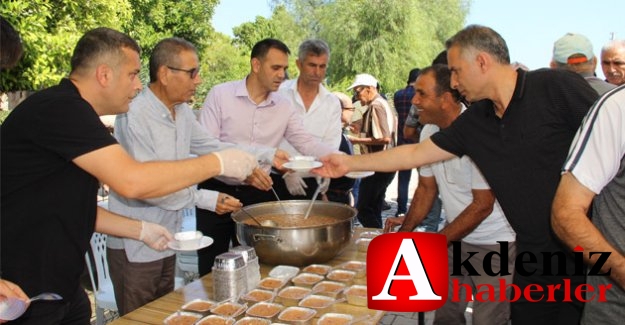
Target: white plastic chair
187	261
103	293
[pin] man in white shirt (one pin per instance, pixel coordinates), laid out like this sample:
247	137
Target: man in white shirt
473	214
320	111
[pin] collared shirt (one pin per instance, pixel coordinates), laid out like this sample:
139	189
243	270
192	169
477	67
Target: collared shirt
322	120
230	115
597	84
456	178
148	132
521	153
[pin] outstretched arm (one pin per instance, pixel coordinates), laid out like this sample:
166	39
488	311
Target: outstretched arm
399	158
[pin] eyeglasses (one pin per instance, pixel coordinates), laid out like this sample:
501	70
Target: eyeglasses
192	72
348	108
357	91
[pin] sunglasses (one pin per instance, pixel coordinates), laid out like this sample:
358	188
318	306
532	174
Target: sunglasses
192	72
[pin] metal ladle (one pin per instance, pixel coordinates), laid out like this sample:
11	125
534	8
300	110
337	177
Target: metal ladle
265	223
279	201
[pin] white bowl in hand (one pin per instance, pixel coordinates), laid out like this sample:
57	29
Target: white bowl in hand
302	163
188	239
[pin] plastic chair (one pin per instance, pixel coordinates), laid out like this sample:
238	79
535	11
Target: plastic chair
103	292
187	261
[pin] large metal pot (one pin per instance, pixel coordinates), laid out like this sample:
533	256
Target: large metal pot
296	246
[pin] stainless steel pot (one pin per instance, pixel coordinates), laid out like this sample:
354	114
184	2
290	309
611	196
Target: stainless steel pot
296	246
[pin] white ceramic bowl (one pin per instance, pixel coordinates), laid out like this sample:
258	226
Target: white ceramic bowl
188	239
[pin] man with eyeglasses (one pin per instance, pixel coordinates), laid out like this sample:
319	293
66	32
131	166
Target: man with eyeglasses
160	125
54	153
250	112
473	214
377	127
613	62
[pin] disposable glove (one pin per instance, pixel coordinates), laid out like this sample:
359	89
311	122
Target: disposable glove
236	163
295	184
323	183
155	235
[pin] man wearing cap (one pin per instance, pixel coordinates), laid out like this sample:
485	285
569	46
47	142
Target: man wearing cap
573	52
320	111
377	133
613	62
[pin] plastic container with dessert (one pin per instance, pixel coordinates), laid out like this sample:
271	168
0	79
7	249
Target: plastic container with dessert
369	234
363	244
182	318
322	304
331	289
258	295
253	321
306	280
356	295
291	295
200	306
360	268
271	283
284	272
342	276
267	310
229	309
297	315
320	269
335	319
216	320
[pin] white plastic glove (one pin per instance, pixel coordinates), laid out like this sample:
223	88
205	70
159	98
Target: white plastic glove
236	163
155	235
323	183
295	184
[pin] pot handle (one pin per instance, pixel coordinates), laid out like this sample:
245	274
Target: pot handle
259	237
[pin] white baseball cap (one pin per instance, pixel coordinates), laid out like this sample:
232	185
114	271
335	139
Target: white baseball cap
364	79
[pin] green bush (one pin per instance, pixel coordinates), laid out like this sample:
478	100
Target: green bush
3	115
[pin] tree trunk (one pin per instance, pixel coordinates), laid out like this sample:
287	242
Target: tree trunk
16	97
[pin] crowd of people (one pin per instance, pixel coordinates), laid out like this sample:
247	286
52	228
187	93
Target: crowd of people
530	158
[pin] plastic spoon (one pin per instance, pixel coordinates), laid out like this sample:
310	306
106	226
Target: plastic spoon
310	205
12	308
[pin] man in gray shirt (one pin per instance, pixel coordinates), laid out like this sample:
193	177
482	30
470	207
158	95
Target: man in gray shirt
160	125
574	52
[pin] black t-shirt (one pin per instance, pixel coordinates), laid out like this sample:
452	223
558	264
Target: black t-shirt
522	153
48	204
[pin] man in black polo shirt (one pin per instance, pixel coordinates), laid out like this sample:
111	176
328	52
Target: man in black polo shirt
54	149
518	132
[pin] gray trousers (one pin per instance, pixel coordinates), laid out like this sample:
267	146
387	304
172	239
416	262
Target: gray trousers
484	313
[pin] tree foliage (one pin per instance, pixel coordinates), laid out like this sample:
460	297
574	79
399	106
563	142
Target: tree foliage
48	29
383	38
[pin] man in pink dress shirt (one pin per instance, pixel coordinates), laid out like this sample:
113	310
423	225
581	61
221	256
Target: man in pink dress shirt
250	112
